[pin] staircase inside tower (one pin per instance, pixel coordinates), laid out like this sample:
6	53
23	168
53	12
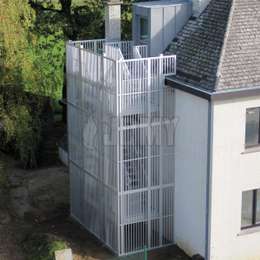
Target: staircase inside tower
135	148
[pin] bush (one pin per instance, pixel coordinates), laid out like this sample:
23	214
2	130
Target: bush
3	174
25	130
22	117
42	246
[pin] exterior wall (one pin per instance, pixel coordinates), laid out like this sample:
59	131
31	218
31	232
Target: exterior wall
233	171
164	24
191	149
199	6
139	12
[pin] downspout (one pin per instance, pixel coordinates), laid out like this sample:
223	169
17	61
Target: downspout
209	182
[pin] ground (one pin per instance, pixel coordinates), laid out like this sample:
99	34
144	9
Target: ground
34	208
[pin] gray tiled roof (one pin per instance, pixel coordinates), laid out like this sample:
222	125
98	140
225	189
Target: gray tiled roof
220	50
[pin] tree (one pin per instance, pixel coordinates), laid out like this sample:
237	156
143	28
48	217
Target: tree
16	20
30	62
66	6
32	48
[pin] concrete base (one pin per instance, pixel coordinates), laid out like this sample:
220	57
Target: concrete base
65	254
63	155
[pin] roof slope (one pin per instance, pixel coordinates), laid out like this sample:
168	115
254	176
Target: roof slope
240	65
220	50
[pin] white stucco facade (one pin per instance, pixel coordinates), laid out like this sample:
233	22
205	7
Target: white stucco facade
191	154
233	170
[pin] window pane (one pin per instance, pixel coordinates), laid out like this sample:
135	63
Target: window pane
247	208
252	127
144	28
258	206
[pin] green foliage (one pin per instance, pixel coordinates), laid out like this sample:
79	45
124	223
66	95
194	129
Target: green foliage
88	19
42	246
21	128
47	57
3	174
31	61
126	20
16	20
32	58
27	135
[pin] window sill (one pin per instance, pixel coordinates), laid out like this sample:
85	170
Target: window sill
254	149
248	231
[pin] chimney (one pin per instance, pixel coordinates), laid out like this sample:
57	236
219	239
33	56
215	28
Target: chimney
113	20
199	6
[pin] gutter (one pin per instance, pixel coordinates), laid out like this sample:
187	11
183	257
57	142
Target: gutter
174	83
228	94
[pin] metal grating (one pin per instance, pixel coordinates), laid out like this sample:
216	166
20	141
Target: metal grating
120	146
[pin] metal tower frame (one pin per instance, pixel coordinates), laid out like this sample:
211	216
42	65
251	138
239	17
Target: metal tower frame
120	129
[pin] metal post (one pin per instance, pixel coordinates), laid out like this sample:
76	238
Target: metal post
161	156
121	157
145	253
95	46
149	89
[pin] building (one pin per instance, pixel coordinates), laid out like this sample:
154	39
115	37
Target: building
164	152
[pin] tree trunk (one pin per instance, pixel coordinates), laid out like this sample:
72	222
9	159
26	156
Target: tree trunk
66	7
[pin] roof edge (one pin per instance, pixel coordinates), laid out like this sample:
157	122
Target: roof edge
212	96
178	84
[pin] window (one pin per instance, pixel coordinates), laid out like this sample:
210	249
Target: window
252	127
143	28
250	216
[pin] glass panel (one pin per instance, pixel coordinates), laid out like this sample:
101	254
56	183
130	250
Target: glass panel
258	206
143	28
247	208
252	127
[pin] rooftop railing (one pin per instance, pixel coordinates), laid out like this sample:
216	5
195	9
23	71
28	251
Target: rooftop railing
100	46
121	67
